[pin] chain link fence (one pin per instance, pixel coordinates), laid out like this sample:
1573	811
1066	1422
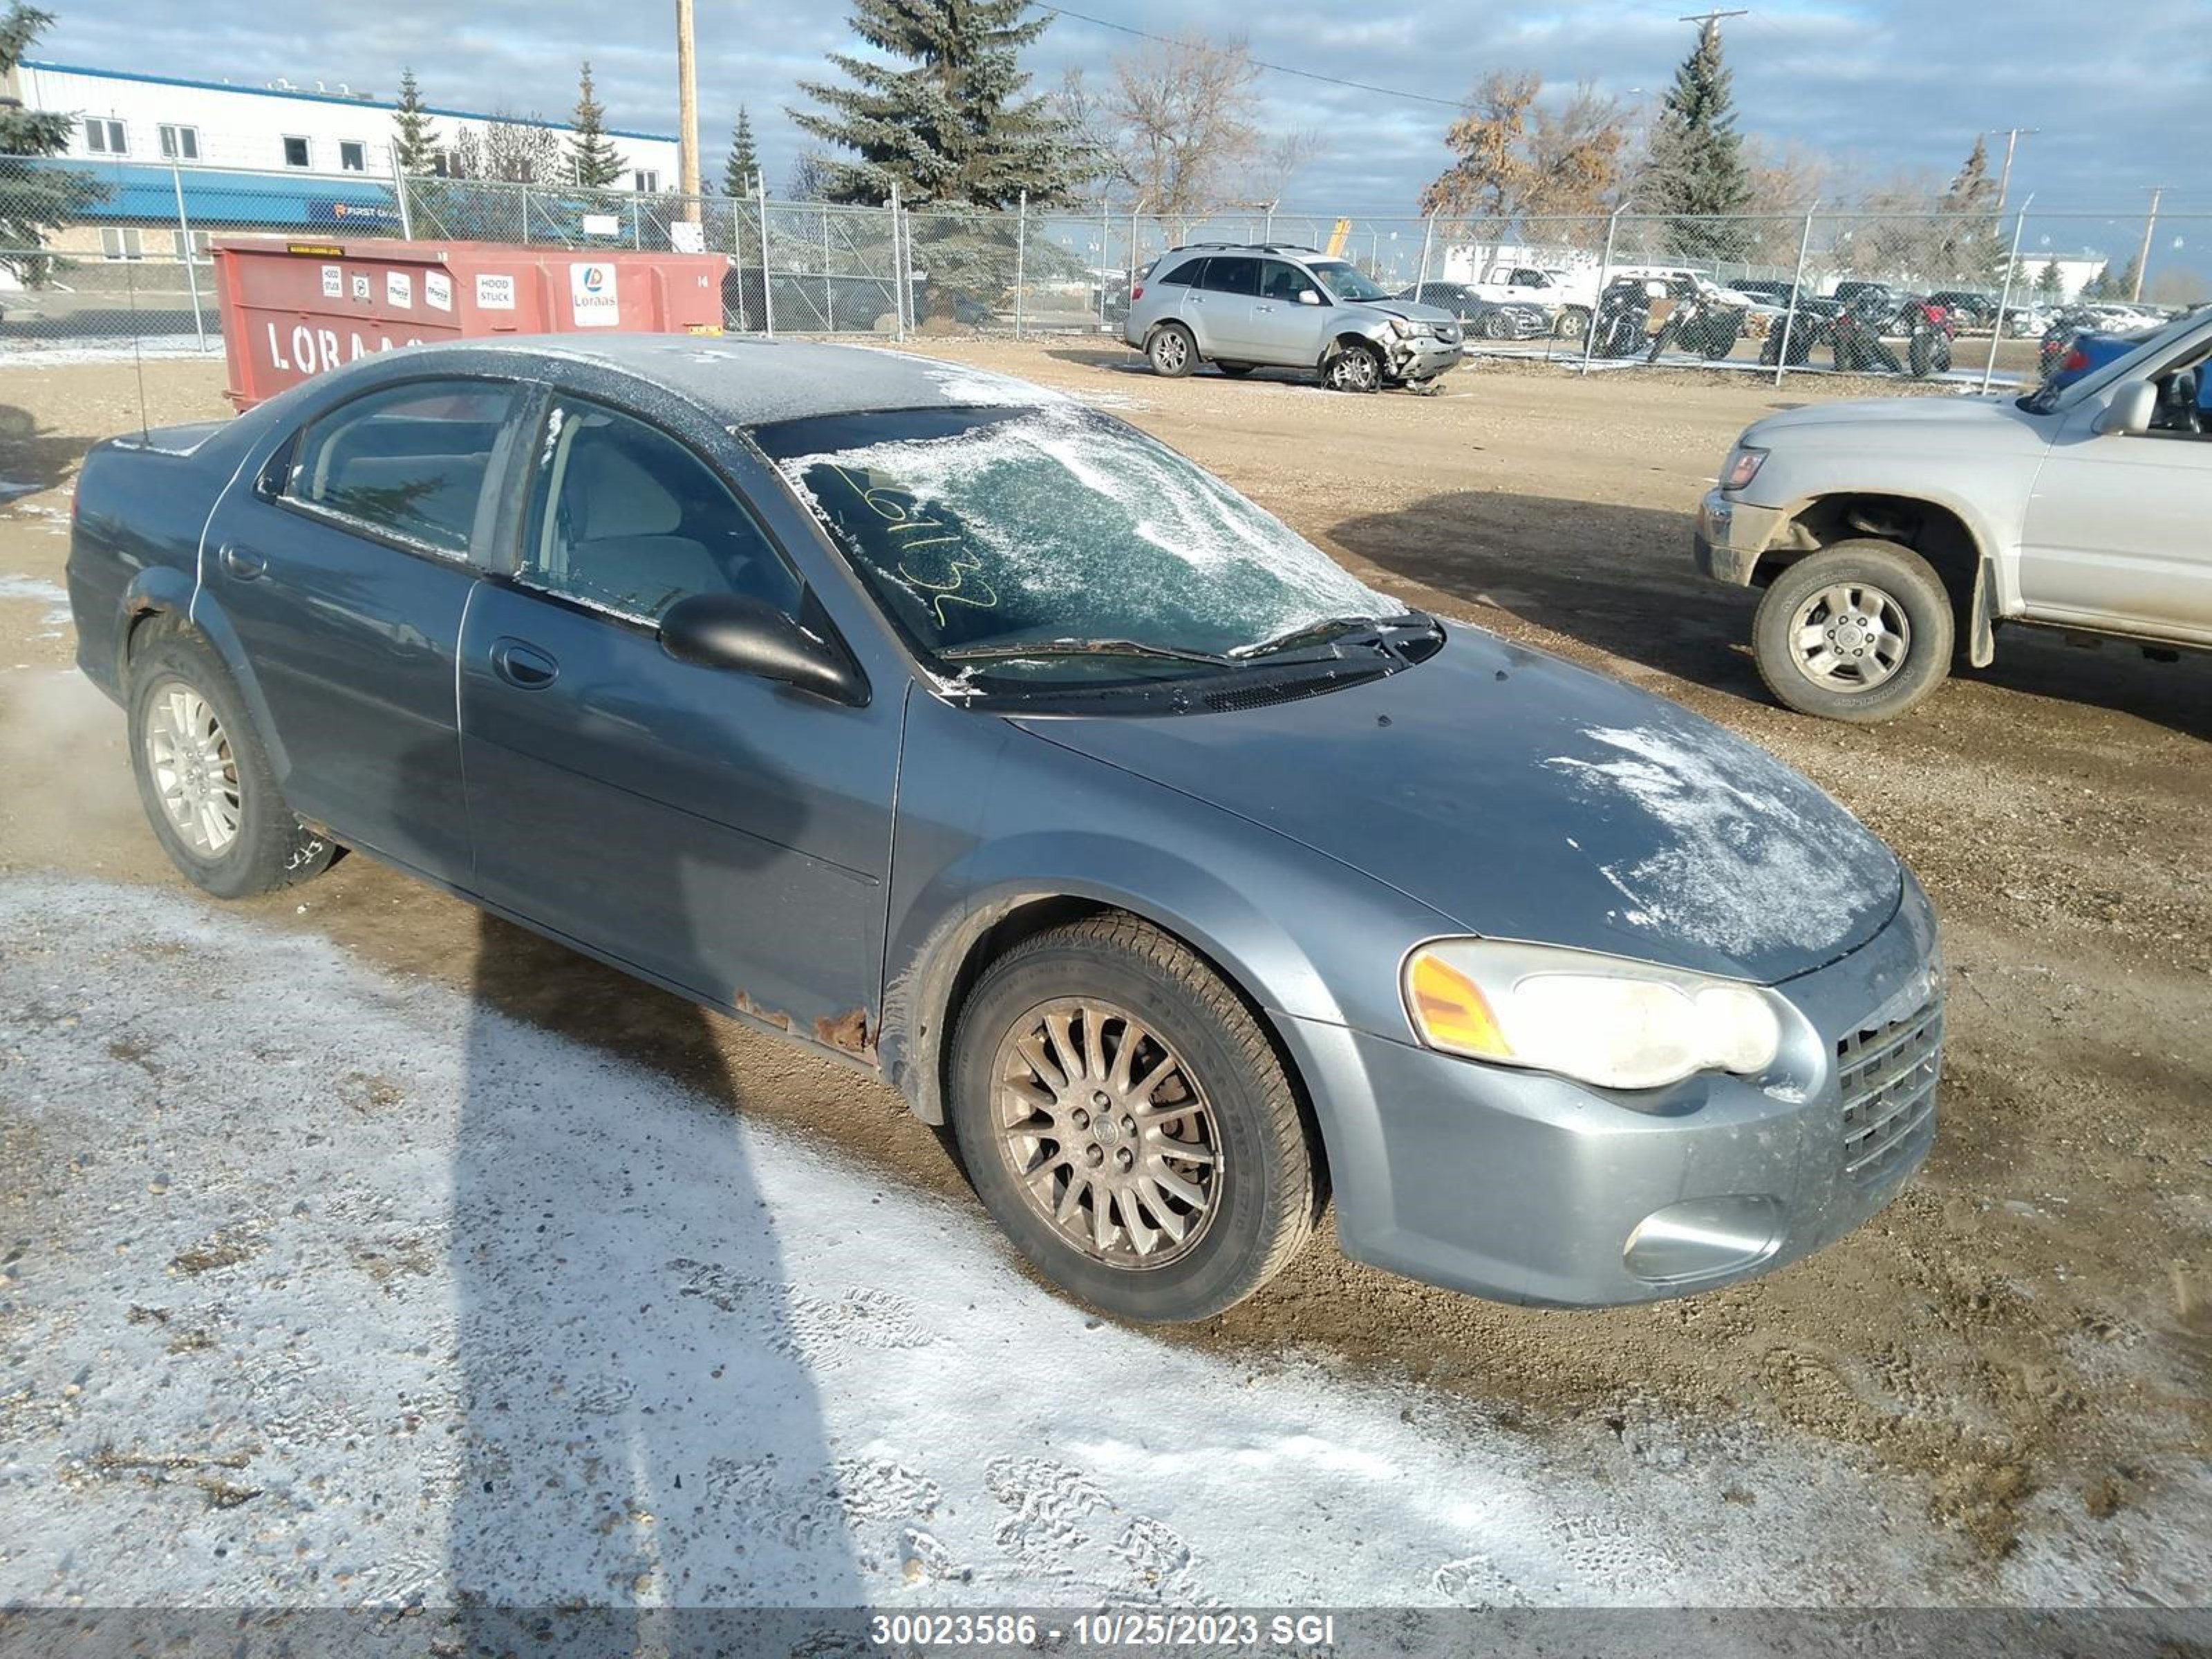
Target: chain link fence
95	254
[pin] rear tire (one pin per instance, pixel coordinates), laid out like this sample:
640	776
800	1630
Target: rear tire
1573	324
1171	351
1235	371
1068	1149
204	778
1861	631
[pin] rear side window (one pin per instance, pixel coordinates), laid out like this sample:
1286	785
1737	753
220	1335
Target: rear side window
411	461
1231	274
1184	274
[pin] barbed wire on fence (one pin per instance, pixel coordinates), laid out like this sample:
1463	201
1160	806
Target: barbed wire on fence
113	250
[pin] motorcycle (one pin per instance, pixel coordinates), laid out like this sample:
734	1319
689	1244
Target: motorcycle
1809	332
1854	336
1928	331
1702	322
1624	316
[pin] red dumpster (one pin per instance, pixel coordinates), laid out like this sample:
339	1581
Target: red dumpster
294	308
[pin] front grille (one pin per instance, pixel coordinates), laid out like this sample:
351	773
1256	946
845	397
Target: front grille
1888	1074
1448	332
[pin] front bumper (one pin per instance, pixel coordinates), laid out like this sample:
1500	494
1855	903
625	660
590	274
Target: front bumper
1525	1188
1731	534
1423	357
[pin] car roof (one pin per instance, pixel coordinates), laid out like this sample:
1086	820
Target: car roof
757	382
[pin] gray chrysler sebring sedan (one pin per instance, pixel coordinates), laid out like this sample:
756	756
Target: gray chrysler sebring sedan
974	738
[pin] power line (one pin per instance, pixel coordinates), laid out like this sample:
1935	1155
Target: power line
1279	68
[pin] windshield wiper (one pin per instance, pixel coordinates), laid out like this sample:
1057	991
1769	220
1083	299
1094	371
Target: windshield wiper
1331	629
1080	649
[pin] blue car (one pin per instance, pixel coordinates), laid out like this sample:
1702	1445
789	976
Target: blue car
977	739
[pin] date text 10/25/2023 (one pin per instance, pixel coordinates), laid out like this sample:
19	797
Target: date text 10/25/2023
1116	1629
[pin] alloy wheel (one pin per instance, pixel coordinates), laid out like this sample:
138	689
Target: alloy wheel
194	770
1107	1132
1354	370
1849	636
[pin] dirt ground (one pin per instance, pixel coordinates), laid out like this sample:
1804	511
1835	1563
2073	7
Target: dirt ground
2027	1332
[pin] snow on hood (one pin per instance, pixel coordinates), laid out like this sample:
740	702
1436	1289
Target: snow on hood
1521	796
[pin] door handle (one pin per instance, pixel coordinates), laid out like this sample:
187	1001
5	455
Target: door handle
523	666
243	562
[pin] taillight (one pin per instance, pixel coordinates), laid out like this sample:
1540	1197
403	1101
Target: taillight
1136	293
2076	361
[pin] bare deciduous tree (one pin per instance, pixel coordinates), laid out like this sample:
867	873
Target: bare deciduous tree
516	149
1179	124
1521	160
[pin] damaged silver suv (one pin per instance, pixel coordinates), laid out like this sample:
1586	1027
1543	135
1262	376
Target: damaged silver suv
1241	307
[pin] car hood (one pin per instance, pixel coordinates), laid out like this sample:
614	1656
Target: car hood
1926	419
1522	798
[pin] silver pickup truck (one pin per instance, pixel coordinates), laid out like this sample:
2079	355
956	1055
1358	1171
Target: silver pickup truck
1888	531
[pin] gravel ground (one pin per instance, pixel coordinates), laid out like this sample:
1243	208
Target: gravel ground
2018	1348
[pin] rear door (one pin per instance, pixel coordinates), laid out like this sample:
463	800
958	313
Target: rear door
1218	307
725	835
346	568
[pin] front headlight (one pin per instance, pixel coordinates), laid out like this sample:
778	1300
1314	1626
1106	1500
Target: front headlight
1743	465
1603	1020
1401	328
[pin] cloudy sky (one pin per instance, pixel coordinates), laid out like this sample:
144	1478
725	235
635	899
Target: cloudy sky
2123	97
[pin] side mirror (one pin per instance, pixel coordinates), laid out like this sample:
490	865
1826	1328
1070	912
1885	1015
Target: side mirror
750	637
1307	297
2132	405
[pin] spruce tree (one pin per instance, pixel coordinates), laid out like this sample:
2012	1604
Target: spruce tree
2123	287
1697	169
2051	286
744	165
949	124
33	200
414	141
594	162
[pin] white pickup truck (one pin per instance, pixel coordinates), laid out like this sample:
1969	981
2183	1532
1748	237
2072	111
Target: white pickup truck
1888	533
1567	297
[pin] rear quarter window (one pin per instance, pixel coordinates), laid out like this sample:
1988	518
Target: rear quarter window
1183	274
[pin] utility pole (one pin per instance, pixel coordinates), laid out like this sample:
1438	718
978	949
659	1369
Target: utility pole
2142	256
2012	138
1704	19
687	101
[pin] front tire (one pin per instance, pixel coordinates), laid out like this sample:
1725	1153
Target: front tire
1126	1120
1171	350
1861	631
1573	324
204	778
1353	368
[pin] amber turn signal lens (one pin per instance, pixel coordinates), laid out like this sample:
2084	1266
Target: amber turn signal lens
1450	1012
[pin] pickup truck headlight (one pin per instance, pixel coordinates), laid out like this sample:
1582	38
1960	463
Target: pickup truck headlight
1600	1019
1744	463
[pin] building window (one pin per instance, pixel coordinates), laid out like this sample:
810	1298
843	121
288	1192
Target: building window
105	138
447	164
199	245
179	143
121	242
295	152
646	180
353	155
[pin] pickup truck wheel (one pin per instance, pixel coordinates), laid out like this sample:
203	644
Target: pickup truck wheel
205	779
1124	1118
1860	631
1171	350
1573	324
1353	368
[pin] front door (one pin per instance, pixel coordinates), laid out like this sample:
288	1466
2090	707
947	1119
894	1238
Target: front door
2119	528
728	835
1286	328
345	570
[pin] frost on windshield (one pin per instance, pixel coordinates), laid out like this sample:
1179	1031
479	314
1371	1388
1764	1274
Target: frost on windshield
1057	524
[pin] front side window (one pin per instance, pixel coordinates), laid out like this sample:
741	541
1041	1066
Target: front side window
975	528
353	155
626	519
411	461
295	152
1347	281
105	138
1280	280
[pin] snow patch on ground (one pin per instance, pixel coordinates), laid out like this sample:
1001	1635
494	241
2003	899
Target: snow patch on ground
328	1287
30	590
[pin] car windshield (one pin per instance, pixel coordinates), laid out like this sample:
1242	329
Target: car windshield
2046	398
1346	281
978	529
